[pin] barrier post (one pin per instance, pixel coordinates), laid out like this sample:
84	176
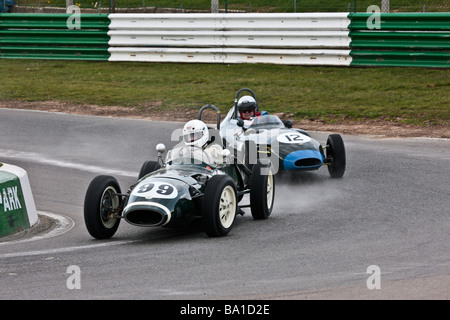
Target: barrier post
214	6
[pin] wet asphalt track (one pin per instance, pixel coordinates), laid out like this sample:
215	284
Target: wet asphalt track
391	210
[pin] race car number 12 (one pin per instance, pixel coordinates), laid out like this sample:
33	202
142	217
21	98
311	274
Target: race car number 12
156	190
293	138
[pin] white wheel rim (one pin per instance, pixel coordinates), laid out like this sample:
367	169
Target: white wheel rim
269	190
227	207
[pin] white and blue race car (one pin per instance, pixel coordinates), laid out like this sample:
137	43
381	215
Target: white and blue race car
289	149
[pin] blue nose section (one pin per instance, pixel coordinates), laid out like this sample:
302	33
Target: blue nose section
303	160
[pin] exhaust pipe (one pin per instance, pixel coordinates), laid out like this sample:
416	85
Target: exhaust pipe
147	214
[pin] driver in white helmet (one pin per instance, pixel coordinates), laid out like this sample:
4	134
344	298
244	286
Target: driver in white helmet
196	135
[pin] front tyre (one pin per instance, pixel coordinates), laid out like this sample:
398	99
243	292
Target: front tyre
148	167
336	155
101	202
219	206
262	191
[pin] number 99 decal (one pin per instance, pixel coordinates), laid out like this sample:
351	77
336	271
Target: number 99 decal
293	137
150	190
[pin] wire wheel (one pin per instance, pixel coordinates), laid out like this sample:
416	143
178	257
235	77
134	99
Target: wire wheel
100	204
108	204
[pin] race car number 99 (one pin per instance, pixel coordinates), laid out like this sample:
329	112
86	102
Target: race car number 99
156	190
293	137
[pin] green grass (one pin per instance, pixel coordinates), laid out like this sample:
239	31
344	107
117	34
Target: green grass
410	95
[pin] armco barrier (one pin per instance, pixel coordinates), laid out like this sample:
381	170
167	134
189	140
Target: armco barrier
279	38
17	208
403	39
402	21
46	36
232	55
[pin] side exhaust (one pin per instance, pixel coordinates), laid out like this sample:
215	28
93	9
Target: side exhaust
147	214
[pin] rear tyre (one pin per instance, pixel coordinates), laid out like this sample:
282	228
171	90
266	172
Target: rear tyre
219	206
262	191
335	153
100	203
148	167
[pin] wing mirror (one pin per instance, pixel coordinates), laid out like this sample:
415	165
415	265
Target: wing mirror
160	148
288	123
226	152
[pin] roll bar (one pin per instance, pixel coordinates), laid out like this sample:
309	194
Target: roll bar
210	106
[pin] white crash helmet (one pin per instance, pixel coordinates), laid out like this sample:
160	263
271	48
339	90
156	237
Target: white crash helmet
195	133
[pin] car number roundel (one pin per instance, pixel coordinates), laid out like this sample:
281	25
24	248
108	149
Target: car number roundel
151	190
293	137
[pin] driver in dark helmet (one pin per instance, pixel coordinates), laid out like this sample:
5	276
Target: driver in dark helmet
247	107
247	110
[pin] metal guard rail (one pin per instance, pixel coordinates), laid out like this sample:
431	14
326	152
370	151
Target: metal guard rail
46	36
401	39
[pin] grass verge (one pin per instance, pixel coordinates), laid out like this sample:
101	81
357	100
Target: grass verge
330	94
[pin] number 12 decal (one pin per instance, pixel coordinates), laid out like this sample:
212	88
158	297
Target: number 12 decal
156	190
293	137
